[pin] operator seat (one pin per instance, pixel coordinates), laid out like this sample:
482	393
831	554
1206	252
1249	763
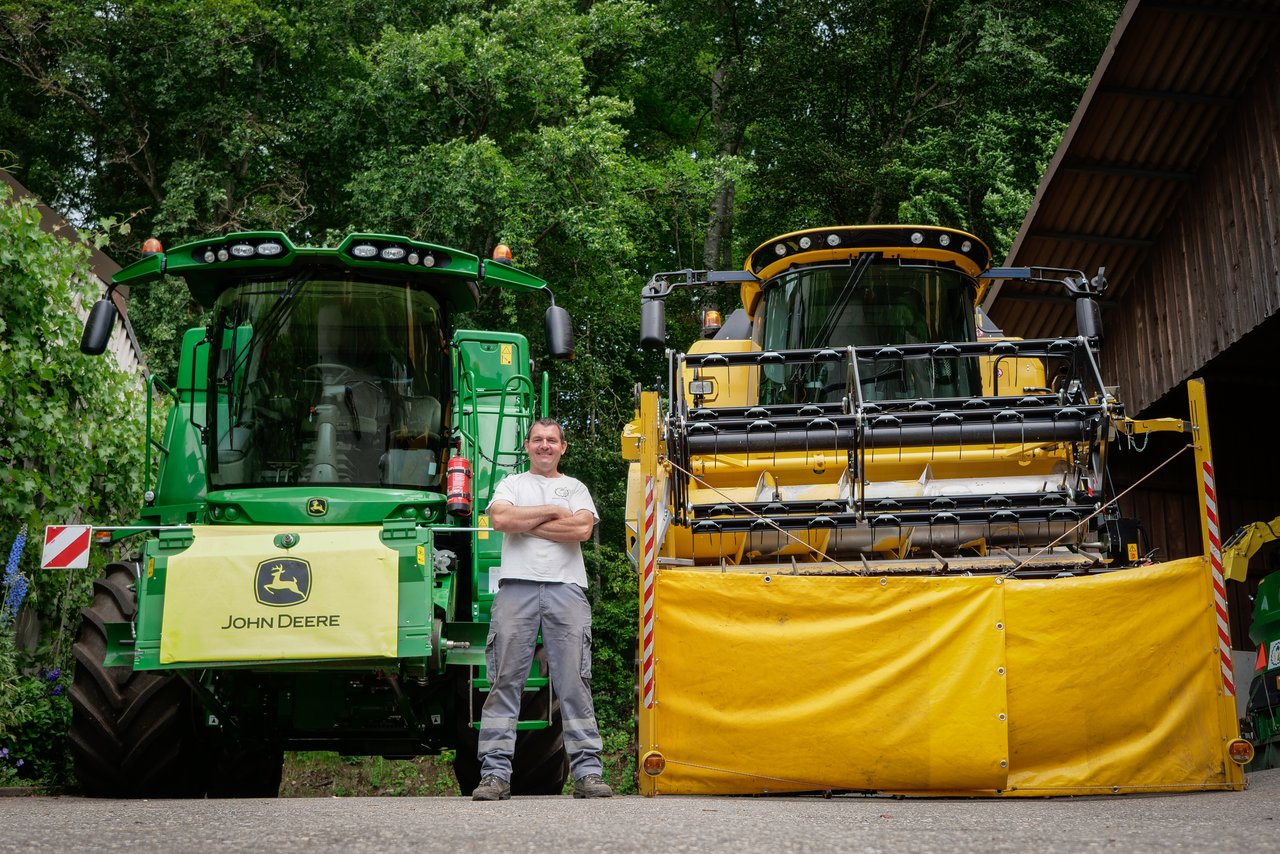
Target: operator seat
411	460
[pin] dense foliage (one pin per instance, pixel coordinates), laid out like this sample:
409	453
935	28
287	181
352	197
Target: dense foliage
602	141
70	448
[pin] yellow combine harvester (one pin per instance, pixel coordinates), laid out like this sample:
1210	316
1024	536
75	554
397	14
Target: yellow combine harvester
878	552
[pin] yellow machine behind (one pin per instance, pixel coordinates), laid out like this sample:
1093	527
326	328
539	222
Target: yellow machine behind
877	551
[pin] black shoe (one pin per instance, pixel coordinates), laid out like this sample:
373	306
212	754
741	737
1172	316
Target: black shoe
493	789
591	786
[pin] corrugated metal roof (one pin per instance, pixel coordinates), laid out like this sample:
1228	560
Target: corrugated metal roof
1170	76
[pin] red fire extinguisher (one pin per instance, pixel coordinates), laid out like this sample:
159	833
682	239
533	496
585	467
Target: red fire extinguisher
458	486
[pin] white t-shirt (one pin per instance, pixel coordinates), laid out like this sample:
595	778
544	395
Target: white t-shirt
532	557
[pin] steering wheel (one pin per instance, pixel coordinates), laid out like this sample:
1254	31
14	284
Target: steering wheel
329	373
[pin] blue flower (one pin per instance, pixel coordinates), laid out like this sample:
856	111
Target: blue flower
13	599
4	751
15	585
57	690
11	568
53	674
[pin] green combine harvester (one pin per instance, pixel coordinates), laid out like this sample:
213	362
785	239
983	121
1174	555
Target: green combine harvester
313	567
1262	714
1261	721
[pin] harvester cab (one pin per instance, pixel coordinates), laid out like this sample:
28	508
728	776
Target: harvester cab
879	549
315	568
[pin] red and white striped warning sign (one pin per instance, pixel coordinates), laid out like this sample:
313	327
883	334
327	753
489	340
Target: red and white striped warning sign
1219	584
65	547
648	560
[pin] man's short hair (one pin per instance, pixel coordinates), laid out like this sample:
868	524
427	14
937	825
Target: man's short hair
546	422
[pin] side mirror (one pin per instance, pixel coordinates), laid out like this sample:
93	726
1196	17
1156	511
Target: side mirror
559	332
97	329
1089	319
653	324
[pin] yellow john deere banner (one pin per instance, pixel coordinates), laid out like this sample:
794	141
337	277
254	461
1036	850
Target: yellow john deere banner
963	685
236	596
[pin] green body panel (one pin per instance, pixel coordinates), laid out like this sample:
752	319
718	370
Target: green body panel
1263	710
345	506
1265	625
413	703
496	408
205	279
180	480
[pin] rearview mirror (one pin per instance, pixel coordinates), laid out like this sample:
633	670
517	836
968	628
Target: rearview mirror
653	324
559	332
97	329
1089	319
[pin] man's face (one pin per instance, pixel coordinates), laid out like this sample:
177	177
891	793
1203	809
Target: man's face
545	448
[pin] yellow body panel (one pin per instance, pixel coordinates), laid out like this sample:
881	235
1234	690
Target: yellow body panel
1009	377
750	291
733	386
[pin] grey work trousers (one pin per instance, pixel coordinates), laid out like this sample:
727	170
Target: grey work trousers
563	613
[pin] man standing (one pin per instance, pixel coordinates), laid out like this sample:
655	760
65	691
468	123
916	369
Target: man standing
544	517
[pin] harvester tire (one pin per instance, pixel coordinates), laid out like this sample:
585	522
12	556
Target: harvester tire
133	733
247	771
466	765
540	765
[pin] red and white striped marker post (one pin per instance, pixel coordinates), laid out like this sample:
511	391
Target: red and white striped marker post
66	547
648	553
1219	583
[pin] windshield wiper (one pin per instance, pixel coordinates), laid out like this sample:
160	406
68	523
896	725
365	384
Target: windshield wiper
274	319
837	308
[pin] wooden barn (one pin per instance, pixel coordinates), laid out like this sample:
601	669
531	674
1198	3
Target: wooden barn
1169	178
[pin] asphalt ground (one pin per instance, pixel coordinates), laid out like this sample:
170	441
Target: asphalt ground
1244	821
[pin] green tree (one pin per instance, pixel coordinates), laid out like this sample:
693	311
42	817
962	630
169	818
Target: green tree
601	141
940	111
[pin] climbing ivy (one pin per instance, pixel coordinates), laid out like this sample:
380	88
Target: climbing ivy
70	452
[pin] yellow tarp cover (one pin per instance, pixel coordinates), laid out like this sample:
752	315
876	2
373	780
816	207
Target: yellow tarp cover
965	685
236	596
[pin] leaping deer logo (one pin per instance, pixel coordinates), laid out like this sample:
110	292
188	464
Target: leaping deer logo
279	583
283	582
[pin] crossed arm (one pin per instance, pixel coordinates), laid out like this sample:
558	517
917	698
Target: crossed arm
549	521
